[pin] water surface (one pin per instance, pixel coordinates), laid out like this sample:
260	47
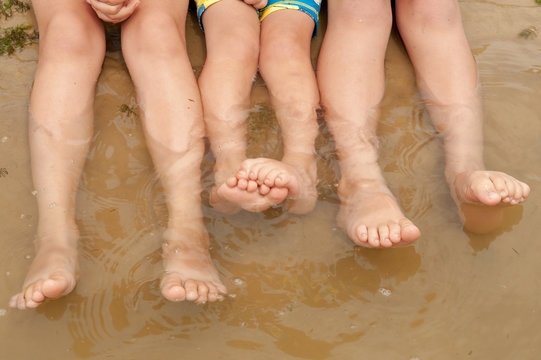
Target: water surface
298	287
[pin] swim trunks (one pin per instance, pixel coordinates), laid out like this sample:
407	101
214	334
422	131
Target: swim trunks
203	5
309	7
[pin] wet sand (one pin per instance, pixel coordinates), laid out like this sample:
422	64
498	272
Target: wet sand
298	287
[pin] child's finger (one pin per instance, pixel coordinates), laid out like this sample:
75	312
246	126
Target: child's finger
127	10
104	8
258	4
122	15
113	2
103	16
106	17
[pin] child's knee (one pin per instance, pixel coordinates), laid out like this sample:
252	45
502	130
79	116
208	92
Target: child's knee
234	44
67	36
246	52
279	52
155	34
429	13
354	13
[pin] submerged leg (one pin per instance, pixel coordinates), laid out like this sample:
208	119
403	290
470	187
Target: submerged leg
287	70
433	34
351	81
154	38
71	50
232	38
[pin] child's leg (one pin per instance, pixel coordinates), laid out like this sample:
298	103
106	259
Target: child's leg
71	50
351	80
447	76
154	46
232	38
287	69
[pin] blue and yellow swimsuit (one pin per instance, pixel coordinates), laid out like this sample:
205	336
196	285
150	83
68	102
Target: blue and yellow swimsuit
309	7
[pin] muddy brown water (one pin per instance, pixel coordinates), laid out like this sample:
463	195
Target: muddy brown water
299	289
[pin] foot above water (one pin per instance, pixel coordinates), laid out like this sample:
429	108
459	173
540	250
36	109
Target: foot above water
239	193
372	218
489	188
482	195
278	181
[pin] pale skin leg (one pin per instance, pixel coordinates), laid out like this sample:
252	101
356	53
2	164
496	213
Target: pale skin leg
447	76
351	82
71	50
232	39
153	38
287	70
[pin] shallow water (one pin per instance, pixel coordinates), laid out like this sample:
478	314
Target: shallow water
299	289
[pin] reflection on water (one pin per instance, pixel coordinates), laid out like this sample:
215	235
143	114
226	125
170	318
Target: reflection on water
298	288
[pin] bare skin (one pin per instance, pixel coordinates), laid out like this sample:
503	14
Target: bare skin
174	131
60	135
351	79
371	216
232	39
53	273
189	272
277	181
489	188
454	104
257	184
482	195
251	194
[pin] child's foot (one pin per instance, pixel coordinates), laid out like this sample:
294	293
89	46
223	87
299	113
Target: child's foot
481	194
53	273
239	192
189	272
278	181
372	218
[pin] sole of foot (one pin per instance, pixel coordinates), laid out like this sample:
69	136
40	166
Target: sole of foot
280	181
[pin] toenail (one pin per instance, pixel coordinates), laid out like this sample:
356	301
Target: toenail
492	195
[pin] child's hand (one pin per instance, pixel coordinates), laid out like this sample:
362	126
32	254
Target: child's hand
258	4
114	11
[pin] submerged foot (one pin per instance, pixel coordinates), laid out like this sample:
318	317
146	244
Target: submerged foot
481	195
53	274
371	216
189	273
279	181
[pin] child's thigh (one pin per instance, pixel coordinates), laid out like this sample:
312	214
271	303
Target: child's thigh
288	23
157	14
69	29
228	18
156	28
65	14
231	30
